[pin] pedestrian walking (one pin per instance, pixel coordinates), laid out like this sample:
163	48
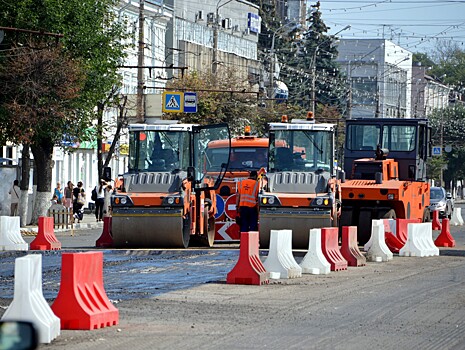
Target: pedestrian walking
68	195
79	199
15	193
100	200
247	203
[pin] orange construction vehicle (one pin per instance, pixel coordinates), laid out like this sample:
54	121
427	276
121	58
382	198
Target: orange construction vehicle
301	190
166	199
248	153
385	163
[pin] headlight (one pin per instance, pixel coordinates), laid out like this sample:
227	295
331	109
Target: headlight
319	201
271	200
170	200
123	200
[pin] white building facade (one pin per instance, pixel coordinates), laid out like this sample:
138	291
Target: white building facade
379	75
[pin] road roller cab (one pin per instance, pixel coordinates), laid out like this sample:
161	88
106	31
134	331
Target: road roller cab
166	199
247	153
301	190
385	165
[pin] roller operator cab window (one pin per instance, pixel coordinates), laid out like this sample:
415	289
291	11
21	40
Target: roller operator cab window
399	137
241	159
363	137
303	150
158	151
367	137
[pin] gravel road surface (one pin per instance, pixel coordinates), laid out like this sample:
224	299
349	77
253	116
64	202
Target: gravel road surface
178	299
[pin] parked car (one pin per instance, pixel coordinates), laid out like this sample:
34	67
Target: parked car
441	201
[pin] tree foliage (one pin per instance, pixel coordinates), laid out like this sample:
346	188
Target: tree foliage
40	94
450	122
55	95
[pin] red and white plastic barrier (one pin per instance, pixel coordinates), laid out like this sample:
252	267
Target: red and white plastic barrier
456	218
45	239
10	234
349	247
420	241
106	239
249	268
82	302
330	248
28	302
436	224
378	250
445	239
280	262
314	262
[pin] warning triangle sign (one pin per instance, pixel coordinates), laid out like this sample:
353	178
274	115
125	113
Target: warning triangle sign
172	103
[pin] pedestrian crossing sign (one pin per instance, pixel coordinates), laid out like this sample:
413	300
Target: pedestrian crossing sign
437	150
173	102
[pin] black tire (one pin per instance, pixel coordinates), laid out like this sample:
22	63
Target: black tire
186	229
426	215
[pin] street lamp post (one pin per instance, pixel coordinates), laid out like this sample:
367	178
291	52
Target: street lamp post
215	36
313	68
273	61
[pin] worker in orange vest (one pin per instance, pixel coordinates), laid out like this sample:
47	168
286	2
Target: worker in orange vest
247	203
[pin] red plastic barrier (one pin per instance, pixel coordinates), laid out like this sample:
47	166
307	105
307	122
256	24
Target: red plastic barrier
330	248
249	268
402	228
106	238
394	244
436	222
45	239
349	247
82	302
445	239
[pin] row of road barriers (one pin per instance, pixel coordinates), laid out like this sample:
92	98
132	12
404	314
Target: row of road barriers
81	303
11	239
406	237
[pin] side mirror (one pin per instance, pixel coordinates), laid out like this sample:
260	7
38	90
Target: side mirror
190	173
16	335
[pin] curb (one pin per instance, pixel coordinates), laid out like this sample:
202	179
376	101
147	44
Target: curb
32	230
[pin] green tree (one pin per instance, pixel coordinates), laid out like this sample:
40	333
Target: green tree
40	95
93	38
449	125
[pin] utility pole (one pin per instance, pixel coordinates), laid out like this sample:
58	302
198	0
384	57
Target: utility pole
140	67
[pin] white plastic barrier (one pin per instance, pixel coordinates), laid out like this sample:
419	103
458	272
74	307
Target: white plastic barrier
28	302
10	234
378	250
280	262
374	223
420	241
314	262
456	218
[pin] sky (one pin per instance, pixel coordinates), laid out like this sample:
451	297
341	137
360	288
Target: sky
412	24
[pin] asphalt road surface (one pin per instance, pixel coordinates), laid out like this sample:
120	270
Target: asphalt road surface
178	299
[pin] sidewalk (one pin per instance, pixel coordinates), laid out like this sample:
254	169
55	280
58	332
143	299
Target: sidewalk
87	222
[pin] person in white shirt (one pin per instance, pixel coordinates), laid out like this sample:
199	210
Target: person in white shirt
15	193
99	202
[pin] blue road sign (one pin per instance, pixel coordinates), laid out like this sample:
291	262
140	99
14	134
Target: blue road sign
437	151
190	102
219	206
173	102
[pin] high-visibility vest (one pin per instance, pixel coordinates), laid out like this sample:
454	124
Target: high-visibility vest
248	191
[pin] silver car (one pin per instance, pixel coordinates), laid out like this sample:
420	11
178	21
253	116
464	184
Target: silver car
441	201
